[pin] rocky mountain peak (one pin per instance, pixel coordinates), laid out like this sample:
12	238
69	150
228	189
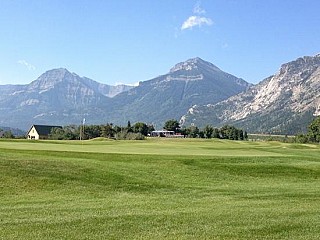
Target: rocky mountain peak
306	63
56	74
292	84
282	103
61	78
50	78
192	64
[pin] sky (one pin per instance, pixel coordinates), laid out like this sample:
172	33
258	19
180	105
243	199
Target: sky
127	41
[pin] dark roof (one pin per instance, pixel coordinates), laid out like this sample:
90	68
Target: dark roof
44	129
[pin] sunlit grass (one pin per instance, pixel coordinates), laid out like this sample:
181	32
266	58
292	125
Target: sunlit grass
159	189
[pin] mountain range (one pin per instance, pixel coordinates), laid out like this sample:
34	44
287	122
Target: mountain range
59	97
195	91
284	103
169	96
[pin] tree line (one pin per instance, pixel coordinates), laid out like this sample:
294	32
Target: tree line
138	131
6	134
225	132
313	134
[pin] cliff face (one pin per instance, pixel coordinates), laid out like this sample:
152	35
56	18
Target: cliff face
282	103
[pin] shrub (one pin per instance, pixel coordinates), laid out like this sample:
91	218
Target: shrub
129	136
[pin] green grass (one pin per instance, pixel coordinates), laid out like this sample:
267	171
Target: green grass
159	189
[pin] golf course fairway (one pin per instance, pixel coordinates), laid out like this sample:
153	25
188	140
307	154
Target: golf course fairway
159	189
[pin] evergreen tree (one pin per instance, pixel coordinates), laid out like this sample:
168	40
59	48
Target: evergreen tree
208	131
107	131
70	132
140	127
171	125
314	130
57	134
91	131
150	129
233	133
240	135
245	135
216	133
201	134
117	129
193	131
129	128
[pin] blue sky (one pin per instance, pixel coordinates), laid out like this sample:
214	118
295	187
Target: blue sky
126	41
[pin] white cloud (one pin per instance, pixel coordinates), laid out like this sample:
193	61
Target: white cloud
29	66
193	21
197	19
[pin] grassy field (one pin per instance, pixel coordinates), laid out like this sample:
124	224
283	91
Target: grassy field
159	189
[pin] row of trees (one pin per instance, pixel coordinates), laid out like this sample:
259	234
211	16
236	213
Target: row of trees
225	132
140	130
137	131
6	134
313	134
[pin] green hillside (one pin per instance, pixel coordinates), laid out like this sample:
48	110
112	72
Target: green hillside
159	189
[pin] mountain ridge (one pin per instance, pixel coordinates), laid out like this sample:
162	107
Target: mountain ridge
278	102
169	95
59	97
195	89
55	95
